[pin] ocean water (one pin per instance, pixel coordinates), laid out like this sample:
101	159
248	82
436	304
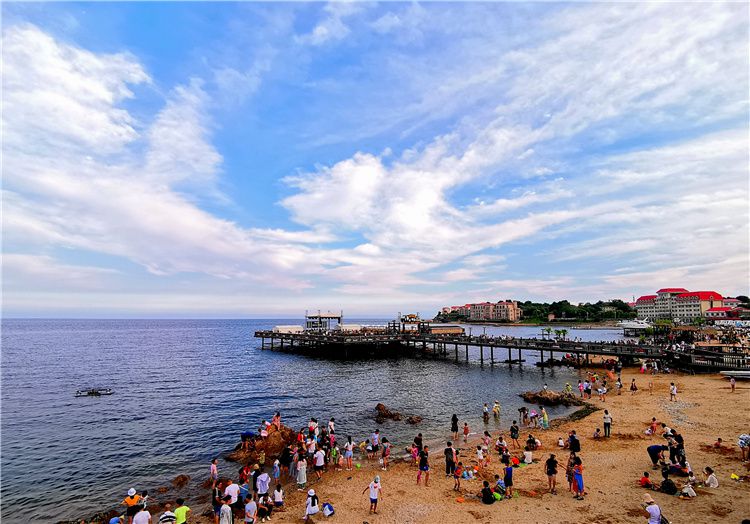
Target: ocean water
185	389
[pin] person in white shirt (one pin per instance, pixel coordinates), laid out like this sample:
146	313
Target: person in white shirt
711	480
311	505
142	517
233	490
652	510
263	482
167	517
278	497
320	459
375	491
672	392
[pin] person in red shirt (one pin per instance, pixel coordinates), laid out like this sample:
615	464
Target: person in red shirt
645	482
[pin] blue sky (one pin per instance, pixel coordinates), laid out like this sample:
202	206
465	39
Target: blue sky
251	159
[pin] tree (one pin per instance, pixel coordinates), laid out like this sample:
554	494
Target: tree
564	333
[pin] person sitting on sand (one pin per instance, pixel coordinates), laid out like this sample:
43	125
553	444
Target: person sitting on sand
645	481
597	433
530	443
499	486
311	505
687	490
710	480
719	443
667	486
487	496
561	443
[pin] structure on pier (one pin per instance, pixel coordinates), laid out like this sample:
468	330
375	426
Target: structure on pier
412	337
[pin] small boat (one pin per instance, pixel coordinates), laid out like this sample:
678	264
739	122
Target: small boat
93	392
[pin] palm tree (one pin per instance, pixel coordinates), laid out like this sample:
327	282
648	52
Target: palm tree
558	332
564	333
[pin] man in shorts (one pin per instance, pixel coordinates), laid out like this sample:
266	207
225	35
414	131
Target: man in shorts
376	491
319	459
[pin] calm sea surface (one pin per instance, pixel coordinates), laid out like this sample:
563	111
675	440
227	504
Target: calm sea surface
184	389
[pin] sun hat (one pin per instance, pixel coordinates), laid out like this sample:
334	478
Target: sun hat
311	492
256	466
648	499
131	492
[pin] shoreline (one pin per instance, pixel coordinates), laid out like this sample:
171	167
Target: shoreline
612	467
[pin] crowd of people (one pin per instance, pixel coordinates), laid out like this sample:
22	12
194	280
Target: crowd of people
257	491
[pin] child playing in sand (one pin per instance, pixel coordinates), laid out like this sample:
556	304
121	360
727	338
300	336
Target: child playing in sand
645	481
480	457
457	476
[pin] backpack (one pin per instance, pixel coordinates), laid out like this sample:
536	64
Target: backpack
328	509
575	445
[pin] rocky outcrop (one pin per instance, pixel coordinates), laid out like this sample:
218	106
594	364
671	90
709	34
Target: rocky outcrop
180	481
272	446
383	414
551	398
414	419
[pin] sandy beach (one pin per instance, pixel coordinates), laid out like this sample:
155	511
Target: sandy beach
705	410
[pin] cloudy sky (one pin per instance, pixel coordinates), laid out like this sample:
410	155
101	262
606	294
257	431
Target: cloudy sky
261	159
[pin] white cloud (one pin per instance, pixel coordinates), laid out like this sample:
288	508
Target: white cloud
333	27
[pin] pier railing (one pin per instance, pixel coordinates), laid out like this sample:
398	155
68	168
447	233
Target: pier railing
356	344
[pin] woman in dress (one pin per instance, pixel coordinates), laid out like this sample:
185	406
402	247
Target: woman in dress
301	472
578	478
454	426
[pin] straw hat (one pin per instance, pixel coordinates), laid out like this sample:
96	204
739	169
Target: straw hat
648	499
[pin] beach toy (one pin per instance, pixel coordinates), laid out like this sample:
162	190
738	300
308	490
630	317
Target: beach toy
497	496
460	500
358	465
734	476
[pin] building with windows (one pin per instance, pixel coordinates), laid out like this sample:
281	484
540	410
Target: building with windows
504	310
677	303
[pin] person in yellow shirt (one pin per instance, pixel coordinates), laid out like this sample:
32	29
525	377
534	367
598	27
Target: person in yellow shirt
133	504
181	512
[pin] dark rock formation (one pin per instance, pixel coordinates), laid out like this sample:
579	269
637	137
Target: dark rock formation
551	398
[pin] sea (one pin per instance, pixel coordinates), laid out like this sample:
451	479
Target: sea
184	390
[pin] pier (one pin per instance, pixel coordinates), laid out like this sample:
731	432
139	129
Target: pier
461	348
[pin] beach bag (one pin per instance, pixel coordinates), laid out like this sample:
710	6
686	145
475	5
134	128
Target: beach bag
327	509
497	496
662	518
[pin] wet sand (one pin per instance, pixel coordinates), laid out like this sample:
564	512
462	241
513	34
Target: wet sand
705	410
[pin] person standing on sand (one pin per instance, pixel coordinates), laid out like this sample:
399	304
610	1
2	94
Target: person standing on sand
607	424
732	383
672	392
450	459
508	480
550	467
424	466
454	426
319	463
514	433
376	491
578	477
633	387
301	473
348	452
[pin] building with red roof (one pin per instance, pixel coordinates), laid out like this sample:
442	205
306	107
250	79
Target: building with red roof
677	303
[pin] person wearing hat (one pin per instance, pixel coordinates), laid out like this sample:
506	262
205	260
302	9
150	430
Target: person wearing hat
375	491
311	505
132	503
651	509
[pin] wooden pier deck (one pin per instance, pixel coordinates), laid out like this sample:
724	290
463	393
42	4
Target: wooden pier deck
457	348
